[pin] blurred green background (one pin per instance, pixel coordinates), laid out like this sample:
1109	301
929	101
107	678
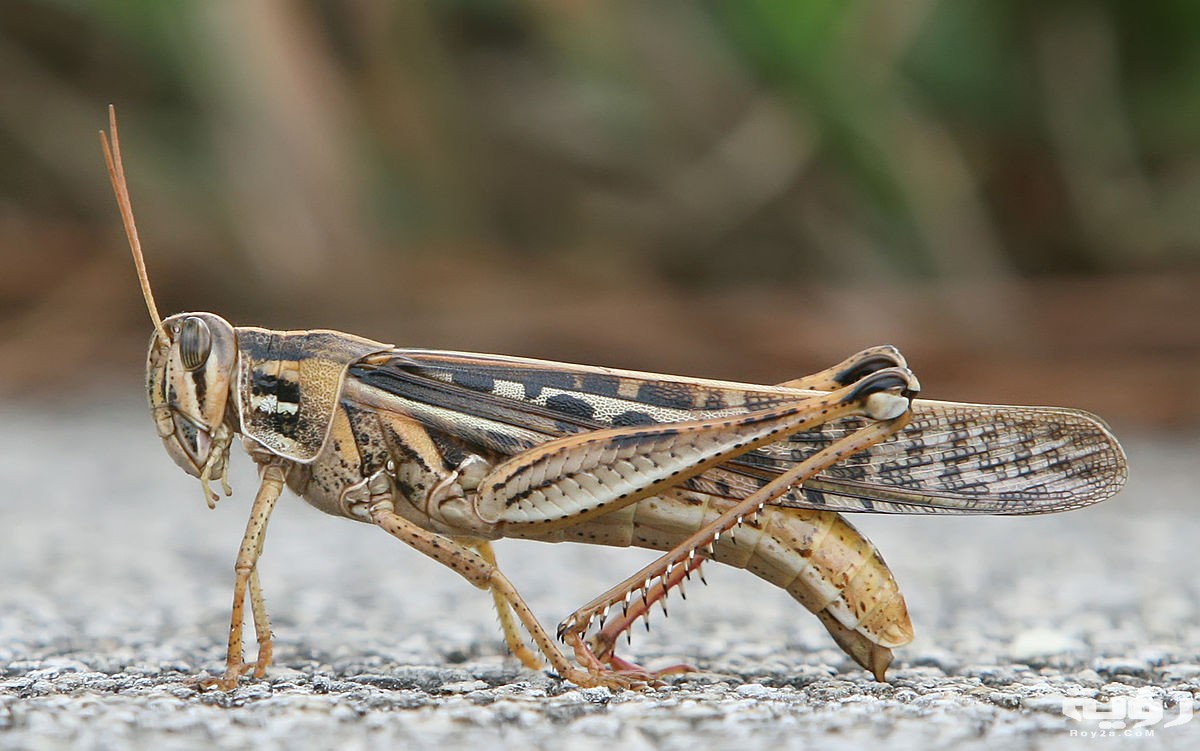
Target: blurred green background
749	190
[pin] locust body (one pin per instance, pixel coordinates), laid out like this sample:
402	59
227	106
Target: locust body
450	451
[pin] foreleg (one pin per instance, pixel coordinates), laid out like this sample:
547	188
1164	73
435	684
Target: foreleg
246	575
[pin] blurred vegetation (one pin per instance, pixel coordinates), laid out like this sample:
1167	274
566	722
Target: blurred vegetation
443	172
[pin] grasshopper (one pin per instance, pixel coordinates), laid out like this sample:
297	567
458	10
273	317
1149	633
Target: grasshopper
449	451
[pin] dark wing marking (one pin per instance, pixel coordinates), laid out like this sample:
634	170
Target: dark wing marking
956	459
952	458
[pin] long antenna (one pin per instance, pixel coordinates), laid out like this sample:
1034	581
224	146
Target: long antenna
116	173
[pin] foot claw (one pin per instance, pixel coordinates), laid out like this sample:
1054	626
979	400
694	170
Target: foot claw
652	677
606	669
233	675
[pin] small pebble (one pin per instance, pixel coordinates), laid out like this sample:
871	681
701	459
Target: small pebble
1042	642
461	687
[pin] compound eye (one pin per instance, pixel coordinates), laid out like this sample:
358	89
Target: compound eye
195	342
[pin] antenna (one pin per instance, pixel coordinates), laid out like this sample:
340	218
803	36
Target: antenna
116	173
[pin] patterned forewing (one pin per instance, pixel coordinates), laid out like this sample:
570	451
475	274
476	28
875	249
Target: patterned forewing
952	458
955	458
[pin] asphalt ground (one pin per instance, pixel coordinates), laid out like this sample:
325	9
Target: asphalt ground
115	583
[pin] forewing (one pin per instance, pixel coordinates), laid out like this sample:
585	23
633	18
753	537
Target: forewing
952	457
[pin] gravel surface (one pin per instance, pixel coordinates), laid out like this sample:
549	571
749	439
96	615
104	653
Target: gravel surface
115	583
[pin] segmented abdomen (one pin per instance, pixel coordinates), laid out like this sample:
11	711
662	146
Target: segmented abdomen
817	556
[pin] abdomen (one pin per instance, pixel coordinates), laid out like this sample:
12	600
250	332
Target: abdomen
817	556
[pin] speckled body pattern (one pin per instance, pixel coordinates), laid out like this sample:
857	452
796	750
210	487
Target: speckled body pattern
469	448
447	451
